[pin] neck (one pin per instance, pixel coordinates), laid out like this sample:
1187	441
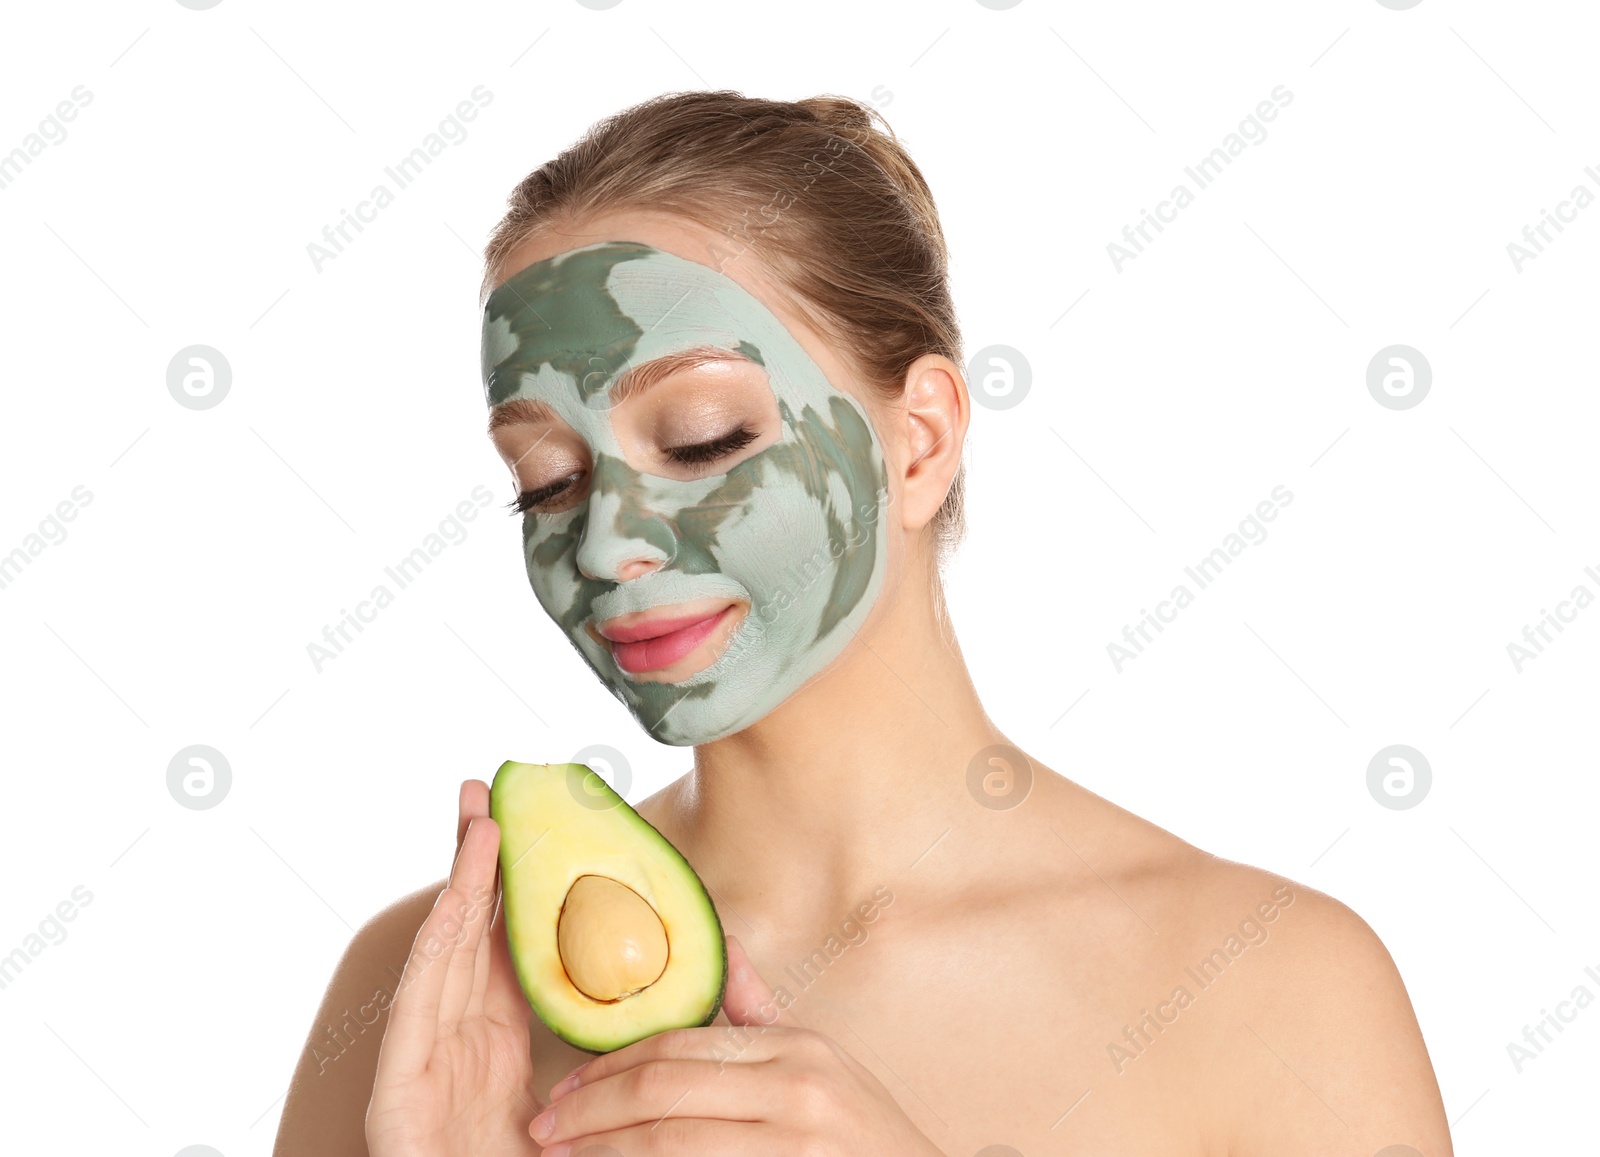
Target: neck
850	780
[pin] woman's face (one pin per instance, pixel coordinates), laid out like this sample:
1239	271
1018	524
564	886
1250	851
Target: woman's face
704	509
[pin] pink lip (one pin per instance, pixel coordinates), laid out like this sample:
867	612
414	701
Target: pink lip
660	642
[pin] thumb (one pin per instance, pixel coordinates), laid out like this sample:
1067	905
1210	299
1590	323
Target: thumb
749	1000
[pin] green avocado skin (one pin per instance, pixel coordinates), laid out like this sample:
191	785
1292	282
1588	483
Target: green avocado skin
497	804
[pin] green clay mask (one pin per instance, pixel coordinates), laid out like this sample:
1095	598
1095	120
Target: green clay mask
794	532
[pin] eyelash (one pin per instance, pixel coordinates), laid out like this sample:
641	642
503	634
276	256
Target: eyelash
698	454
704	452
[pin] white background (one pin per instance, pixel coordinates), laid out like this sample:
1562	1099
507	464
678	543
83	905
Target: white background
1227	359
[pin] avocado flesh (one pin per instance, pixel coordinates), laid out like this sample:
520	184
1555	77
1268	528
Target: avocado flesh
548	839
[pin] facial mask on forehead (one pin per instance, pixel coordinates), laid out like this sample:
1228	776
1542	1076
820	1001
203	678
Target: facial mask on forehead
796	531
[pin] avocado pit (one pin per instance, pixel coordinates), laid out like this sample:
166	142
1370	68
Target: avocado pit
611	941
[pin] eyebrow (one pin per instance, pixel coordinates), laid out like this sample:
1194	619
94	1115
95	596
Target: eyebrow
631	382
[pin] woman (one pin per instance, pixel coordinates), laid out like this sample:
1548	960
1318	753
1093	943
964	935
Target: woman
723	368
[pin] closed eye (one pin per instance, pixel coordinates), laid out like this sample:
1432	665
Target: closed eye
695	454
528	499
702	452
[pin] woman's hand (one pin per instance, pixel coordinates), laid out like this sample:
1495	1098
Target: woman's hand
773	1088
454	1073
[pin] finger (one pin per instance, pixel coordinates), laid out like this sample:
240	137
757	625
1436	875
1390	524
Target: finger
487	911
414	1016
473	877
749	1000
653	1092
473	800
675	1135
483	954
717	1045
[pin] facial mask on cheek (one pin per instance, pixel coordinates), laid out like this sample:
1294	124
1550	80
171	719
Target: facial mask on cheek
797	531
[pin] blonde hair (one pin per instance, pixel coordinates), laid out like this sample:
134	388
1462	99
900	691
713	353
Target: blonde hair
827	199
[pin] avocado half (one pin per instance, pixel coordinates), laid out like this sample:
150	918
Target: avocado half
560	822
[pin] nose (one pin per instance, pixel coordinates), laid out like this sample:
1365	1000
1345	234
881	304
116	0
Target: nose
622	538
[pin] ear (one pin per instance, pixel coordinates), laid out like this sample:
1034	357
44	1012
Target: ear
936	411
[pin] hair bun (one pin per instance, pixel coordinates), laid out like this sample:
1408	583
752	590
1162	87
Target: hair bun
840	111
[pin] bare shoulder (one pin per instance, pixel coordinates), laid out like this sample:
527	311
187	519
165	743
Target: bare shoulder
325	1110
1279	992
1276	1003
1325	1054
